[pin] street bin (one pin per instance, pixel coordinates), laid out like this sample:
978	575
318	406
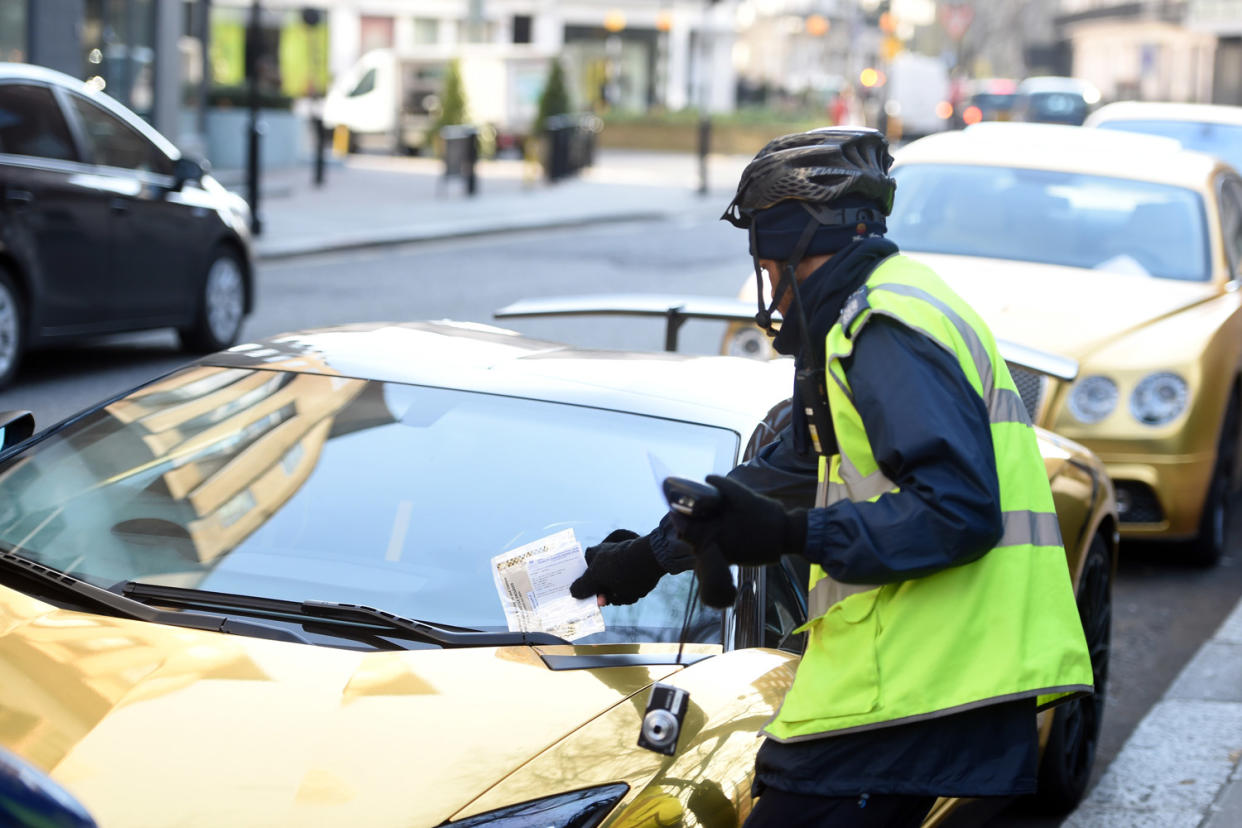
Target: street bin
461	154
570	141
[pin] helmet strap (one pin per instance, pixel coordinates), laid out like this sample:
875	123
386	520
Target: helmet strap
809	378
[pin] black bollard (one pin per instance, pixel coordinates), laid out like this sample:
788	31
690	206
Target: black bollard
320	141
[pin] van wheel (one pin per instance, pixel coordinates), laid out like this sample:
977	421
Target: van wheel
1069	754
221	305
12	328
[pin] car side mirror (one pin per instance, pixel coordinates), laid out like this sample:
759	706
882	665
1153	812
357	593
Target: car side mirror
187	169
15	426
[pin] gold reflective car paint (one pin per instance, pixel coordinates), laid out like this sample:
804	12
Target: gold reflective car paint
225	729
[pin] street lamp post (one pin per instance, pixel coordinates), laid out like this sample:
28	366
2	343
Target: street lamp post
254	130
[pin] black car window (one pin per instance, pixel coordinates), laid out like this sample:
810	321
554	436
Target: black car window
783	610
365	85
114	143
31	123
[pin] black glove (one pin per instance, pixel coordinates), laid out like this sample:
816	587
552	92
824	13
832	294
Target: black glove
622	568
747	528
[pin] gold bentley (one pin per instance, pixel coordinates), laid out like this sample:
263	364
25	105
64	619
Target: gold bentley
261	590
1119	253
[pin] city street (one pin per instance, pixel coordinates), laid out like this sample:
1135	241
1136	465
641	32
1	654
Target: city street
1162	610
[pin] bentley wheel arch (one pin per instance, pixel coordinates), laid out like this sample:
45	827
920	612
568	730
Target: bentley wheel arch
1208	546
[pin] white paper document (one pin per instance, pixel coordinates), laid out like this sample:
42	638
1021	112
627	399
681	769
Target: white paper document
533	583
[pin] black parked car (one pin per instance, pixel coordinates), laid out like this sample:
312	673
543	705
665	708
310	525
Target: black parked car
105	226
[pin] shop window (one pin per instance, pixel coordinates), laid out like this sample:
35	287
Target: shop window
521	28
426	31
13	30
376	33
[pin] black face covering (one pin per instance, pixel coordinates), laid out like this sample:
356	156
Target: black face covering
825	291
823	294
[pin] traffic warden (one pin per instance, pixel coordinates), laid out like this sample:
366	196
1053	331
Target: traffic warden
941	611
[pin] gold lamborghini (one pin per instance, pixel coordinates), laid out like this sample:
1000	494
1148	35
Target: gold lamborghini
258	591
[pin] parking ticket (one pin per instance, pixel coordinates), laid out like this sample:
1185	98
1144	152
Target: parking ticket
533	584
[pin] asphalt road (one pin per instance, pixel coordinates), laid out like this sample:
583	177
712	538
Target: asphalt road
1162	610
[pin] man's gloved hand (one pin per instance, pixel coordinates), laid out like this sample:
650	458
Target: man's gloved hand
622	568
747	529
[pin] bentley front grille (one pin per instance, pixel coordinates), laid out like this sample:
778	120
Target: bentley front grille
1031	387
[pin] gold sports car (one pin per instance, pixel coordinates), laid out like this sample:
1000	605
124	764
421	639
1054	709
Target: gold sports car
1121	252
260	590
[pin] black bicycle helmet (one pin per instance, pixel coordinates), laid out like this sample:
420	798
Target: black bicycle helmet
816	168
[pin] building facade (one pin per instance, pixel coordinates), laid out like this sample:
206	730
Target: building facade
148	54
1139	50
631	57
1222	20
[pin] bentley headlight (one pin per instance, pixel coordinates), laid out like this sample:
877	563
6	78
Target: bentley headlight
1093	399
578	809
749	342
1159	398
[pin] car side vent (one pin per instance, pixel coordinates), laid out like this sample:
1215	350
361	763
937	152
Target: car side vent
1031	387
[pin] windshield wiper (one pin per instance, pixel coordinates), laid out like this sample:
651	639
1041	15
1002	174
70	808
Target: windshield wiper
335	614
84	594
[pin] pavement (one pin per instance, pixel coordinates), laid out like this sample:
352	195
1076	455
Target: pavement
369	200
1182	765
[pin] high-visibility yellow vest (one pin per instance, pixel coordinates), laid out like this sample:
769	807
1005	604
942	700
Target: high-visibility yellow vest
1004	627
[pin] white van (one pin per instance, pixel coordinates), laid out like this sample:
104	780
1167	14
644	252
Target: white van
387	101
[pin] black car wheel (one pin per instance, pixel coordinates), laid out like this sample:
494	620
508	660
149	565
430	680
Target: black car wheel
221	305
1070	751
1207	548
12	328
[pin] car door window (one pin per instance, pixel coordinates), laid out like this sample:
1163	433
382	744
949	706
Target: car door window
114	143
31	123
783	611
365	85
1231	223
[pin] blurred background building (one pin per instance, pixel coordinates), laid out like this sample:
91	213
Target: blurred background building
1139	51
181	63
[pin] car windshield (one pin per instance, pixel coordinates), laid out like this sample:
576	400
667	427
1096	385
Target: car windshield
302	486
1052	217
993	101
1056	106
1222	140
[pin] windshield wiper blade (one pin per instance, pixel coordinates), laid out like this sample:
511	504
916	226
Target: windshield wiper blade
109	603
333	613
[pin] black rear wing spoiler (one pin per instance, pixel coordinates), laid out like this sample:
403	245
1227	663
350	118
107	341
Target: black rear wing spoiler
676	310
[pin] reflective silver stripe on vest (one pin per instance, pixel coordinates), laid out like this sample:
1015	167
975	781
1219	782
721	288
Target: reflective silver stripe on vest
1006	406
1022	528
862	488
1026	528
983	363
827	592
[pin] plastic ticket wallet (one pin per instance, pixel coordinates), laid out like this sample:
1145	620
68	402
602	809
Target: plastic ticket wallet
533	584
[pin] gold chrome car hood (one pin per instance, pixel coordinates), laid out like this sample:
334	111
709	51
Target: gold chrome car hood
1066	310
230	730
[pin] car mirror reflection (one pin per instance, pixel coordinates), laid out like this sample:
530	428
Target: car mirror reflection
15	426
187	169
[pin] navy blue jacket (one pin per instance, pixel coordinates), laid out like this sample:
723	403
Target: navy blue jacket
930	434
